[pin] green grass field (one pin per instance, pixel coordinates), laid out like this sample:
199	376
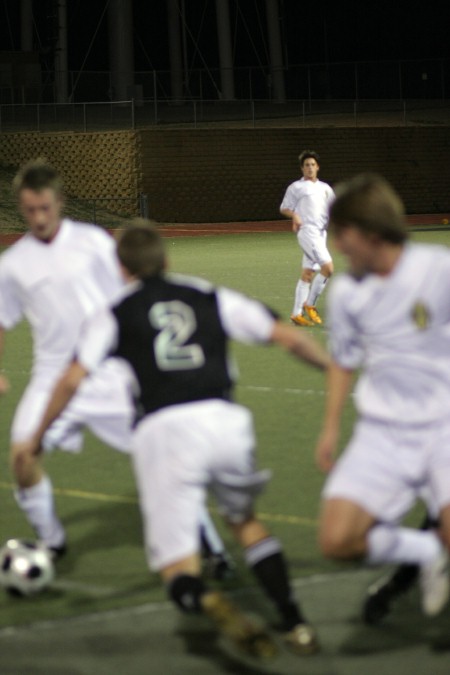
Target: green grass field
105	567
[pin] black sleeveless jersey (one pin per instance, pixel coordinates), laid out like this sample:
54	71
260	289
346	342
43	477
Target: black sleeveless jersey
170	332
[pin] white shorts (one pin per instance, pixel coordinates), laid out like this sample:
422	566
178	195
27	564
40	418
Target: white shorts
313	243
180	452
386	468
103	404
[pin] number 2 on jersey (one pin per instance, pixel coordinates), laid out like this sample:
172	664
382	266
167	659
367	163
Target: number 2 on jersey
175	322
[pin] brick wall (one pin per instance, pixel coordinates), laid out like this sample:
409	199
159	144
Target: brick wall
220	175
241	174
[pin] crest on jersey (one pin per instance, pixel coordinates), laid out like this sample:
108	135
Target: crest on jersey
420	315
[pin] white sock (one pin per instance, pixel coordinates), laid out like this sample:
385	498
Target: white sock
301	293
210	534
37	504
317	286
387	544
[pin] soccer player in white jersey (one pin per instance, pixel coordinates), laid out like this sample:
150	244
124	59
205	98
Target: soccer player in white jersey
55	276
174	332
306	203
389	316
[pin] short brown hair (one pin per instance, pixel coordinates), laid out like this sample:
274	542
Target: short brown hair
37	176
308	154
369	203
140	249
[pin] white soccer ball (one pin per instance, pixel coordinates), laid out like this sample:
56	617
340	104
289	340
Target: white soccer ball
26	567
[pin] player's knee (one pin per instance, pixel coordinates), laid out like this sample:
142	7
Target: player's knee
24	466
327	270
186	592
338	544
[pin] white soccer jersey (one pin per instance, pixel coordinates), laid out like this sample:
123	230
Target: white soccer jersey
55	286
397	329
310	200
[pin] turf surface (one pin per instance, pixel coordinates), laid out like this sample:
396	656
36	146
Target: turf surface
105	568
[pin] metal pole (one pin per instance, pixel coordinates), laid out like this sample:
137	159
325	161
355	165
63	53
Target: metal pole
121	55
276	54
61	71
184	47
155	98
26	25
176	59
225	50
309	87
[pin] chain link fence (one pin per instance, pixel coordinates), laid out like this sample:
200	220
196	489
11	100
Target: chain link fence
98	116
353	93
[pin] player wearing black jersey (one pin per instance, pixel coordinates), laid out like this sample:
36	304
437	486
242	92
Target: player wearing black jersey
173	331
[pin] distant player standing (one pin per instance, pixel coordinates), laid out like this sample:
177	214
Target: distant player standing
174	333
55	276
306	203
389	318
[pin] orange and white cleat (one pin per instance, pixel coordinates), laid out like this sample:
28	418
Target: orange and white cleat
313	314
301	320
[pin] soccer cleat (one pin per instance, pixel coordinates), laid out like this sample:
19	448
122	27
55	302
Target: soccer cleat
384	591
312	313
218	566
434	584
302	639
301	320
58	552
232	623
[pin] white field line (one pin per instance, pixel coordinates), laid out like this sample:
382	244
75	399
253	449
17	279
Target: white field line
251	387
283	390
152	608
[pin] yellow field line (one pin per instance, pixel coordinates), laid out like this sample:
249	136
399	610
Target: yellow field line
119	499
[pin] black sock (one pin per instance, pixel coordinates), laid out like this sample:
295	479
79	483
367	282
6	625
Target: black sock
186	592
268	563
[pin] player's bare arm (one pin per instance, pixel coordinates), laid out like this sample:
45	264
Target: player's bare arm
63	392
4	383
339	383
301	345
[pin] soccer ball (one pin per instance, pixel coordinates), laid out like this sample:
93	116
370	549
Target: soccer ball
26	567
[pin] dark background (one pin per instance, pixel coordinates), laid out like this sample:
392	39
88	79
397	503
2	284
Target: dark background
312	32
